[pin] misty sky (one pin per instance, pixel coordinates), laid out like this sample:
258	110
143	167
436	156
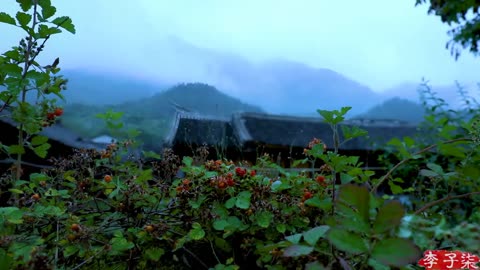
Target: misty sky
380	43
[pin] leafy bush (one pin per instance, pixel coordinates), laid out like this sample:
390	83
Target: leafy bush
112	209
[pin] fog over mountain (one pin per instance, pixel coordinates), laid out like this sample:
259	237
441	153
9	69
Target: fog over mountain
294	58
277	85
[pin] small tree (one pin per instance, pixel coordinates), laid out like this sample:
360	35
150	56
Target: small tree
467	18
21	75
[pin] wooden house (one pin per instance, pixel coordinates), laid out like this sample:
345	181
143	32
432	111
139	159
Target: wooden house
63	141
247	136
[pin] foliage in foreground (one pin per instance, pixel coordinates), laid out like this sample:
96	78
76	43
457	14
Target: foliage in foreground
109	210
95	210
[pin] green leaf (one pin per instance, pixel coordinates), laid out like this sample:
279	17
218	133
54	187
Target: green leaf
42	150
230	203
328	116
38	140
352	132
187	161
377	266
144	176
297	250
347	241
389	216
264	219
45	31
11	214
243	200
396	189
311	236
65	23
196	233
435	167
6	261
451	150
120	244
294	239
13	54
47	9
12	70
5	18
220	224
25	4
428	173
154	254
353	205
37	177
151	154
16	149
16	191
23	18
396	252
70	250
325	204
281	228
196	204
298	162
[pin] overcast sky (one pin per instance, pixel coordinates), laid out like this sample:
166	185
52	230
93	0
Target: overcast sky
380	43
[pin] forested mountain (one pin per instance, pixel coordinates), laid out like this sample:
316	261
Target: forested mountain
153	115
102	88
398	109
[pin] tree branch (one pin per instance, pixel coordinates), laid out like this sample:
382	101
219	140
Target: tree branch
447	198
428	148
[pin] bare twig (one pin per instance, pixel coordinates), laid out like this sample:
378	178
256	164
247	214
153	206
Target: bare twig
214	253
447	198
87	260
195	257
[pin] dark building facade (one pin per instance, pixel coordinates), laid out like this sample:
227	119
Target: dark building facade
63	141
247	136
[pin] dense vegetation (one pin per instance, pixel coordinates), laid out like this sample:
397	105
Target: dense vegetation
107	210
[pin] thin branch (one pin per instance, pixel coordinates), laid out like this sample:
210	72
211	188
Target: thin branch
214	253
13	161
447	198
195	257
426	149
87	260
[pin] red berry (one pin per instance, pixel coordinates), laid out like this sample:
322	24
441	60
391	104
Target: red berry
253	173
230	182
307	195
75	227
58	112
320	179
107	178
50	116
222	184
240	171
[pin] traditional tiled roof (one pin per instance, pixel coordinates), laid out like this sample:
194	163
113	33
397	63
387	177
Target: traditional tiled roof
281	130
200	129
57	132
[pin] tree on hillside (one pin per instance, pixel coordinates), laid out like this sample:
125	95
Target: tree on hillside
464	14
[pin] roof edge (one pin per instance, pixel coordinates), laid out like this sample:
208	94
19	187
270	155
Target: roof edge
168	141
239	128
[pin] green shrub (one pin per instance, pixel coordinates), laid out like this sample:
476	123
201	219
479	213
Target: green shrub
108	210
